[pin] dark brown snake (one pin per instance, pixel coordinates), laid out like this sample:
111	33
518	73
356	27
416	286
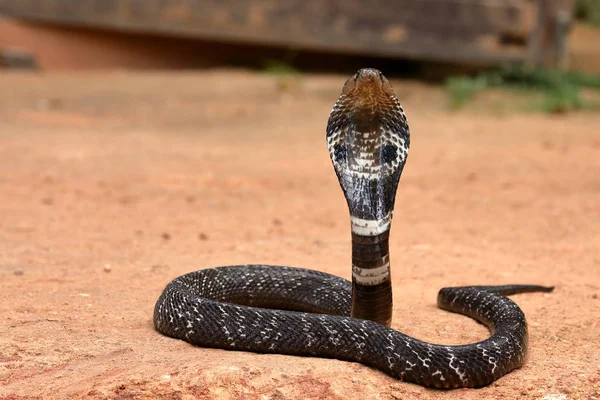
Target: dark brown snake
273	309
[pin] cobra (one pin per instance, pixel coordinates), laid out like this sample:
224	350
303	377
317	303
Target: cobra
302	312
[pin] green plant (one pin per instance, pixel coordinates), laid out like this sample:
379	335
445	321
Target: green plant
560	89
462	88
588	11
279	67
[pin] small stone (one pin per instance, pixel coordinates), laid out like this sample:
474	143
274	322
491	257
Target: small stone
19	272
84	294
166	236
471	177
547	145
126	200
107	268
17	58
555	397
595	296
203	236
166	377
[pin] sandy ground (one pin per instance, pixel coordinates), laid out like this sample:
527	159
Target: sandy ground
112	184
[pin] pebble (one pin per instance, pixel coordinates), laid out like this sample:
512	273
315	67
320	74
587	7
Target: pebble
107	268
555	397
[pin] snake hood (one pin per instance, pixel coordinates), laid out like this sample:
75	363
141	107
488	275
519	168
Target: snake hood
368	140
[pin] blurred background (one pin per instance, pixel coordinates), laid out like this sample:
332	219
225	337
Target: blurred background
431	40
143	139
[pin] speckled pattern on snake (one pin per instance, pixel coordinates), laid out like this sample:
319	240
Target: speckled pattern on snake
285	310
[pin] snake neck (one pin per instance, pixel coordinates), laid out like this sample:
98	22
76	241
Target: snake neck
371	281
368	141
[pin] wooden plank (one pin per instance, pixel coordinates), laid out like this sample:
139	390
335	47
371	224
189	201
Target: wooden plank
548	40
11	58
475	16
434	29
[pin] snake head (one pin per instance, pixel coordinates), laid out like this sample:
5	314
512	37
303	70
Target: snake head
368	141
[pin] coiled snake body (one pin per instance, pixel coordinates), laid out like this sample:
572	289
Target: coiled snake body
272	309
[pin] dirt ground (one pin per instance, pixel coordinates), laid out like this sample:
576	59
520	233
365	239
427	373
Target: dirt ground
112	184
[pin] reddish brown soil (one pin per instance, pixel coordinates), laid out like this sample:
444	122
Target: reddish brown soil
113	184
63	48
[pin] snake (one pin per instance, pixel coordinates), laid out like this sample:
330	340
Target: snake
304	312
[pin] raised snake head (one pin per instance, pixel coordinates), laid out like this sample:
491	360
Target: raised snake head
368	141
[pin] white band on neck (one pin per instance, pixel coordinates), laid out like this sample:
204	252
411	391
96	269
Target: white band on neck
368	227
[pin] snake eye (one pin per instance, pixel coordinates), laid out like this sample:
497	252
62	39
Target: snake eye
356	75
389	153
339	154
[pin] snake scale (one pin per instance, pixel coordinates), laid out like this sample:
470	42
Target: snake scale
285	310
